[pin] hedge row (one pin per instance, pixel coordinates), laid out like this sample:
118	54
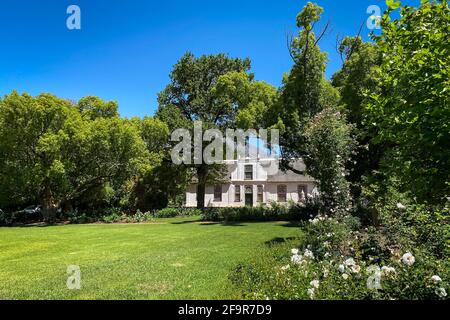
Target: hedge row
273	212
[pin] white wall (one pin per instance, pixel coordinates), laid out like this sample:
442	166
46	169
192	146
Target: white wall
228	194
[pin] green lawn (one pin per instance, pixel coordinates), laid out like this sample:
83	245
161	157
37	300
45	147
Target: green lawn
169	259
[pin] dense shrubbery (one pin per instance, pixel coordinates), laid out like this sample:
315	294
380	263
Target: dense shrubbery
272	212
399	246
116	216
108	215
338	260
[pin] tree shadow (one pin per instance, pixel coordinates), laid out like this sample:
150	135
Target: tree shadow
279	240
290	224
210	223
224	223
39	225
187	222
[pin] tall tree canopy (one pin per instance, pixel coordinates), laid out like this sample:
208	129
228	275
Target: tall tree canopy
305	91
411	111
213	89
51	154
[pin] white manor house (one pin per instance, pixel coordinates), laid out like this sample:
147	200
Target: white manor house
255	182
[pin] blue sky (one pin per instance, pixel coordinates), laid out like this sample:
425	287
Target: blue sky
126	49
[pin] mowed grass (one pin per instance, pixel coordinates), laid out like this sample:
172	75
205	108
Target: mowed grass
169	259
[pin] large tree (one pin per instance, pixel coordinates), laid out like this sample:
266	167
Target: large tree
213	89
305	91
52	155
410	110
359	73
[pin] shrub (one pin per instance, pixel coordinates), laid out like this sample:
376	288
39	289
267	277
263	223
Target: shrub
113	218
6	218
76	217
139	217
328	146
337	268
273	212
167	213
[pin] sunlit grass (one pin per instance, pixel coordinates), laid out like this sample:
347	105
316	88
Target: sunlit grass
166	259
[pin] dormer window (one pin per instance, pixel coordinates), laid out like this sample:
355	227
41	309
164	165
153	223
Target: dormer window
248	172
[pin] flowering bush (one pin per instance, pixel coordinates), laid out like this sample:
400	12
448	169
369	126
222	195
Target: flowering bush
334	263
328	147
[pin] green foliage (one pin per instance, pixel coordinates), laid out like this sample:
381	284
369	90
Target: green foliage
410	111
55	156
167	213
332	263
216	90
273	212
309	15
305	92
328	147
93	107
248	100
35	147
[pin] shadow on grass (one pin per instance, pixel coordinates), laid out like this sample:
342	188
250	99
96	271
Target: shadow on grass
290	224
187	222
286	224
211	223
39	225
278	240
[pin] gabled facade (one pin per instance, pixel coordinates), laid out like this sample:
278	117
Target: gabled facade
253	183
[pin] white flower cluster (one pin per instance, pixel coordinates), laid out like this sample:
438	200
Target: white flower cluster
319	218
387	271
314	286
299	259
440	292
349	267
408	259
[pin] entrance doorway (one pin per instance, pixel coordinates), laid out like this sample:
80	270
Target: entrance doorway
249	196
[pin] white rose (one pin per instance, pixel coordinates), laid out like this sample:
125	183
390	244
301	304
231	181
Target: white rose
341	268
284	268
436	279
408	259
401	206
295	251
386	271
308	254
345	276
311	293
441	292
315	284
296	259
349	262
356	269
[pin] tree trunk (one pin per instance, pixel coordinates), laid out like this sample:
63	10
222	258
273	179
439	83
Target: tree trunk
48	206
202	173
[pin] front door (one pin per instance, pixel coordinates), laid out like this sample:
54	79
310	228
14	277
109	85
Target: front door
248	196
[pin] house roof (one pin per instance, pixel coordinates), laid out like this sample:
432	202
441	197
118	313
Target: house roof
290	176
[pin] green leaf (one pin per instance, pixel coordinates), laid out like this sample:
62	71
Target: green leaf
393	5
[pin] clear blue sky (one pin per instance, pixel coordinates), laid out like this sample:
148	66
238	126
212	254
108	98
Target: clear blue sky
126	49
